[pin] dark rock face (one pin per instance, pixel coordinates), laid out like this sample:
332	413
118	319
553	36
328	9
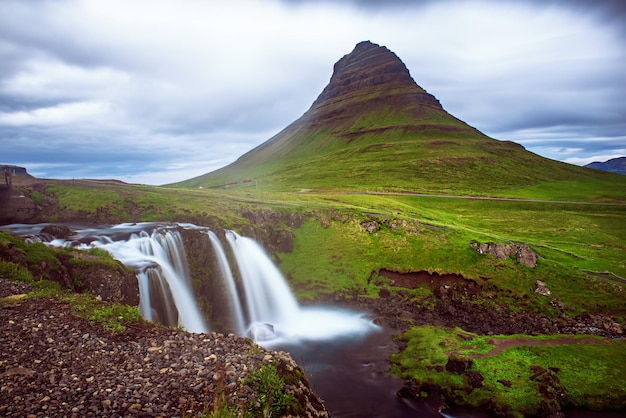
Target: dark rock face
113	285
370	65
272	229
370	74
15	207
80	272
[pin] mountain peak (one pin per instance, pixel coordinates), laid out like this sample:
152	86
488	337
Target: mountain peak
368	64
370	75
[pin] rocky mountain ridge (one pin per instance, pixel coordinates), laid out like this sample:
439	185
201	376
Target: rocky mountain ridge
614	165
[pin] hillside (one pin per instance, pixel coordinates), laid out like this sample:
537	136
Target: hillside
373	128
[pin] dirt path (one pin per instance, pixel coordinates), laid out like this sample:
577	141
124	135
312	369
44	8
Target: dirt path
506	343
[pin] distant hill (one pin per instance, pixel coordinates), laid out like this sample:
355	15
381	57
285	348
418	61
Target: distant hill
373	128
614	165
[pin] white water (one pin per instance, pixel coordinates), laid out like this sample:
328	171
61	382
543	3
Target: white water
266	311
227	276
163	255
275	316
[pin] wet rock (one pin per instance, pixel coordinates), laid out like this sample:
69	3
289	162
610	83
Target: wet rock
57	231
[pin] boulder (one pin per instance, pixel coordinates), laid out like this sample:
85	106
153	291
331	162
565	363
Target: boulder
523	253
57	231
526	256
542	289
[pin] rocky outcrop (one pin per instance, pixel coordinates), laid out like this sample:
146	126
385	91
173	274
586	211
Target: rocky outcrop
542	289
204	270
75	270
109	281
57	231
522	252
15	207
272	228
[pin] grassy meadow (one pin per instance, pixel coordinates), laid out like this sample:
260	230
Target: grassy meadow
334	253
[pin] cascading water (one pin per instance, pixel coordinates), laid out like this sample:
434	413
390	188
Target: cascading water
259	302
274	315
268	298
227	275
161	263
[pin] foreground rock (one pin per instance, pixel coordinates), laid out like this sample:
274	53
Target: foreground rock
53	363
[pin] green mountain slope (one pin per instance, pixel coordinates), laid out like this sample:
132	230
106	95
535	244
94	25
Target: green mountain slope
374	129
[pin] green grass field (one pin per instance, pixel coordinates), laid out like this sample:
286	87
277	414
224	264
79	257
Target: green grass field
333	253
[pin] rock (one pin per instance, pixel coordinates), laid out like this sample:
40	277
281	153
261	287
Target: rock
99	374
458	363
526	256
505	382
473	379
523	253
501	251
57	231
370	226
542	289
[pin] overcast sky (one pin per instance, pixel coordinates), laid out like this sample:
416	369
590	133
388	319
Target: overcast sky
158	91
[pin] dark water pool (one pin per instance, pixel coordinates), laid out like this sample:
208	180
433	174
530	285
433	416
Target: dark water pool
351	376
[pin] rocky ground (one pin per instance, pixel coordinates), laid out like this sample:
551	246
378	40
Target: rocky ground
453	307
53	363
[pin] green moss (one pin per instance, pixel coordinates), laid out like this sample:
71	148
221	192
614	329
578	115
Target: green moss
592	374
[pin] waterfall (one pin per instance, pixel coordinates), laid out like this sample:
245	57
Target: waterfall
227	275
160	260
268	298
251	292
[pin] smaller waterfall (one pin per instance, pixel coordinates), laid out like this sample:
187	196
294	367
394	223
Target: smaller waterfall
268	298
227	275
274	315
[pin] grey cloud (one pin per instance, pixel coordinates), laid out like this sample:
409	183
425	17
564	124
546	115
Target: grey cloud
166	95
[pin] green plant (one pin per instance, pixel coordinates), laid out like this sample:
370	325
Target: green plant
112	316
269	387
15	272
37	197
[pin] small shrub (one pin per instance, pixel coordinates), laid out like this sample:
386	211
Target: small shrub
272	400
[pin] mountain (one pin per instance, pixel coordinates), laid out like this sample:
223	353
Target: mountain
614	165
373	128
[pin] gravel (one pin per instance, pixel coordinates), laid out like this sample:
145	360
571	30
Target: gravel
53	363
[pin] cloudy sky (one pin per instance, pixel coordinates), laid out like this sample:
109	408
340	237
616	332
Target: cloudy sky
157	91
